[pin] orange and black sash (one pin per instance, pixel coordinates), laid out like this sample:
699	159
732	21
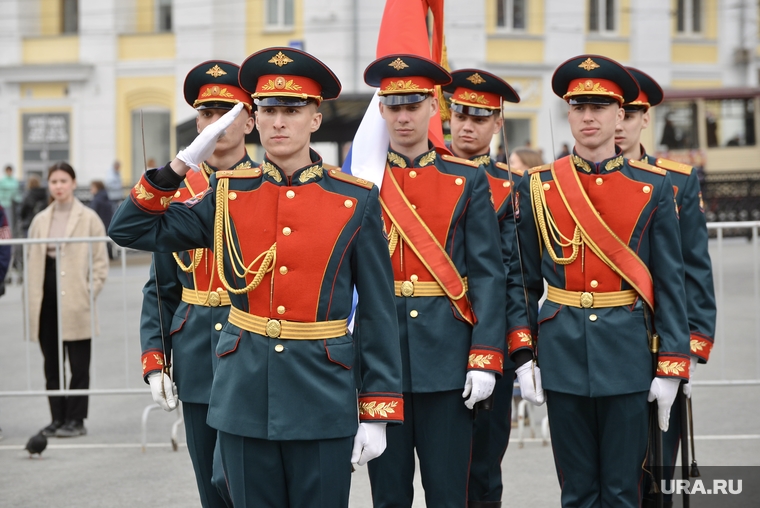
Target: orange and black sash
597	234
424	244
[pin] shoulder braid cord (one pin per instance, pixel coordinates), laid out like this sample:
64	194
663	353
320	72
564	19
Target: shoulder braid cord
543	216
197	256
223	231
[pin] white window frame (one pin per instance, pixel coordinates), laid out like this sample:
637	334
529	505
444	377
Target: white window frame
509	21
688	18
601	7
158	5
280	24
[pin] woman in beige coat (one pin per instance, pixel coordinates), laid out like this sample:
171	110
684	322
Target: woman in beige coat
65	217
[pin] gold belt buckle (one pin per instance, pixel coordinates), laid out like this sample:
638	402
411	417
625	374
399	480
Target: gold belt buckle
273	328
587	300
407	288
214	299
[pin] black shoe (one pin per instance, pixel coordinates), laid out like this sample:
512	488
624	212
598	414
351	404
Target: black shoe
51	429
72	428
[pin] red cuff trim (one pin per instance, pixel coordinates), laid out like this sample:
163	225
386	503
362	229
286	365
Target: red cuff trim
152	360
672	366
381	407
519	338
149	198
701	346
491	360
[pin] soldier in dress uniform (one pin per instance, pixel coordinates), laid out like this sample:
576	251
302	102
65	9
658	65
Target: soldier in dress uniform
193	303
603	232
449	283
290	239
700	293
476	105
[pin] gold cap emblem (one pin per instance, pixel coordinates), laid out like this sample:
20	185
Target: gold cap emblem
216	71
280	59
398	64
476	79
589	65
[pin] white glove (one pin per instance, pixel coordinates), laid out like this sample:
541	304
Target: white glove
664	389
692	368
478	385
529	377
164	394
204	144
369	442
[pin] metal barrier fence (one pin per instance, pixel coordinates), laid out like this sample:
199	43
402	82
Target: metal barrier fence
735	358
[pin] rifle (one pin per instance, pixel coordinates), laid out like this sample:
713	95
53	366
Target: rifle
684	445
655	434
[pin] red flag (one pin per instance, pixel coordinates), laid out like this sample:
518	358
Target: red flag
404	30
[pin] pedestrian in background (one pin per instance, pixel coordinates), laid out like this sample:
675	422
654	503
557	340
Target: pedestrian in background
114	184
102	206
9	188
66	217
5	250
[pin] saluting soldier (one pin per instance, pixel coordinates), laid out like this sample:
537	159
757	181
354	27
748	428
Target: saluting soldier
449	283
290	238
476	106
700	292
194	305
603	232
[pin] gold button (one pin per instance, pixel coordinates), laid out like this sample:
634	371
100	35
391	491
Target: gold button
414	313
592	317
412	174
459	181
176	194
218	326
281	309
232	196
348	203
594	283
647	189
283	270
286	231
256	172
332	171
599	181
414	278
279	348
506	184
547	186
290	194
414	207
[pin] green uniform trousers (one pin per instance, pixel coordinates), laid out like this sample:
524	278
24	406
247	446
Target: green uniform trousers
205	456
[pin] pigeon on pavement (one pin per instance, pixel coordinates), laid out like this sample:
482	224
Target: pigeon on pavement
36	444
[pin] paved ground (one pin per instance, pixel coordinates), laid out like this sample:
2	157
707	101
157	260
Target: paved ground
107	468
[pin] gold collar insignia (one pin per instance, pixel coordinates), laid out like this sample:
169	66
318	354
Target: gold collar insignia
396	160
613	164
427	159
580	162
483	160
271	170
311	173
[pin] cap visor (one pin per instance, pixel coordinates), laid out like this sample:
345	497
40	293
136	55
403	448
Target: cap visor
600	100
282	101
472	111
401	99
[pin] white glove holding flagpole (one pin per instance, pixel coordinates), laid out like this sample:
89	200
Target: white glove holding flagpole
664	389
479	386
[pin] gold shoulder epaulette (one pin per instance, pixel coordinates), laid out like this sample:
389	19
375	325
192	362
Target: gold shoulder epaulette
677	167
459	160
239	173
646	167
538	169
518	172
330	166
345	177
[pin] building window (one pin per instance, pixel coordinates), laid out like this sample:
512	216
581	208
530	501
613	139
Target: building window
69	16
689	16
676	125
163	15
511	14
279	14
46	140
602	16
730	122
155	127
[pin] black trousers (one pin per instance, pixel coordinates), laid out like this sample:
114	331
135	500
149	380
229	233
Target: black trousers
77	351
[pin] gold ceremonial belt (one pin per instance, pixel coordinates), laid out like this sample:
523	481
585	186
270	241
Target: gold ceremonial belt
205	298
410	288
587	300
276	328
